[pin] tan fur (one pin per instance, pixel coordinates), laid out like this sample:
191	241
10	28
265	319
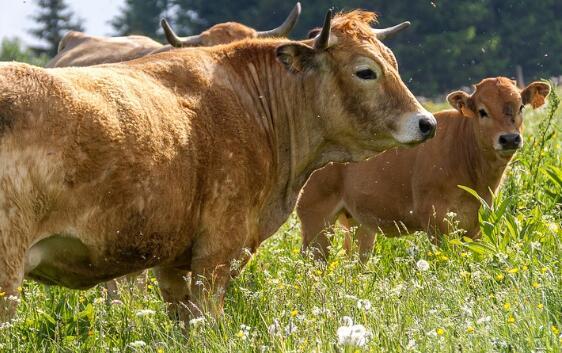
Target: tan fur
408	190
80	49
184	160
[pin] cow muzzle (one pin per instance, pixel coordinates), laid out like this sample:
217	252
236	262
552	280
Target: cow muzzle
415	128
507	144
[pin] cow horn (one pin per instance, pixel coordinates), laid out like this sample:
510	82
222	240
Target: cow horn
178	42
387	33
286	27
323	38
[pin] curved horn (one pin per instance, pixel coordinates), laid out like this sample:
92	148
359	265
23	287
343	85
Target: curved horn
178	42
323	38
387	33
286	27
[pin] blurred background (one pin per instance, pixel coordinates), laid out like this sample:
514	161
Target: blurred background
451	44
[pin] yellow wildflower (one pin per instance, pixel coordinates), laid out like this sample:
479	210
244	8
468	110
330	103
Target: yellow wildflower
318	272
506	306
294	313
20	289
513	270
2	294
555	330
544	269
499	277
510	319
160	350
536	285
440	331
470	329
540	306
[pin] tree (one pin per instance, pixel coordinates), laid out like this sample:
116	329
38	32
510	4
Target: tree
12	50
54	19
140	17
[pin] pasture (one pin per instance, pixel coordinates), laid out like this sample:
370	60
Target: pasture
500	294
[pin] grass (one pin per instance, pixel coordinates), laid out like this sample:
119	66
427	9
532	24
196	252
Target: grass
502	294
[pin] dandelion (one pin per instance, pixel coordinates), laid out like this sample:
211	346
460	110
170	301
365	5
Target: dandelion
554	329
160	350
443	258
244	332
145	312
470	329
137	344
540	306
499	277
513	270
544	270
354	335
2	294
422	265
364	304
294	313
440	331
506	306
536	285
199	321
510	319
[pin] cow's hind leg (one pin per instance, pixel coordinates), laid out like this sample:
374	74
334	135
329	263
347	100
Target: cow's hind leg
174	286
11	277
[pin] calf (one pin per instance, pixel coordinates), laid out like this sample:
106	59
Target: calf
413	189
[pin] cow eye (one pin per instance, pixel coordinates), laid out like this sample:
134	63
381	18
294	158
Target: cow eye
521	108
482	113
366	74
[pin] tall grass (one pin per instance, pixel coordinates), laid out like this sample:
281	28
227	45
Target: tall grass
503	294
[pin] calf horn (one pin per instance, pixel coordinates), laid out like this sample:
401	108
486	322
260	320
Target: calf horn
323	39
286	27
387	33
175	40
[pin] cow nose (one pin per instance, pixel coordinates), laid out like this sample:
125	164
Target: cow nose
510	141
427	127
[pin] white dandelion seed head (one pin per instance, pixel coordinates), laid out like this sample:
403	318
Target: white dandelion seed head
364	304
346	321
137	344
422	265
145	312
355	335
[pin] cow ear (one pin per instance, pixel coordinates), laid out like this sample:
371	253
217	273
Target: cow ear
459	101
535	94
296	57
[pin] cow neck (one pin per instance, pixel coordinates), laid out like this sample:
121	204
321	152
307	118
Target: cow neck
284	105
482	165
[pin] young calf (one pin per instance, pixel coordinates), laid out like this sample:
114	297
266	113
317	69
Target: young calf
413	189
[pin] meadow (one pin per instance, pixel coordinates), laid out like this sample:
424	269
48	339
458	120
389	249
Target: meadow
500	294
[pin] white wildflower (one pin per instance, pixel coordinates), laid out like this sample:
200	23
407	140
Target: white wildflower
411	344
484	320
145	312
14	298
422	265
364	304
316	311
199	321
355	335
274	328
346	321
413	251
116	302
137	344
290	328
535	245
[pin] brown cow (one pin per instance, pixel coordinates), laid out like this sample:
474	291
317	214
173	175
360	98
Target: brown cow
186	160
413	189
80	49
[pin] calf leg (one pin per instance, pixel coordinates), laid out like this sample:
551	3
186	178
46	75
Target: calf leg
11	277
365	238
174	286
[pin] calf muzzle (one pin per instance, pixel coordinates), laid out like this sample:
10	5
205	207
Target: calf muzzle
510	141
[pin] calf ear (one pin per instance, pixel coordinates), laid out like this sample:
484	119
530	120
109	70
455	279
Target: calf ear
459	101
535	94
296	57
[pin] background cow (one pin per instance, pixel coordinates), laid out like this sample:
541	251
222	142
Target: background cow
80	49
413	189
185	161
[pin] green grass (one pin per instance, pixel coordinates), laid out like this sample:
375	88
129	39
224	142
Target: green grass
503	294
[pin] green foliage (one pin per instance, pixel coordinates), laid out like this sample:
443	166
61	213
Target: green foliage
54	19
12	50
140	17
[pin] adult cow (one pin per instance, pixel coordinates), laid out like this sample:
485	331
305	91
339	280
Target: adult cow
187	162
80	49
414	189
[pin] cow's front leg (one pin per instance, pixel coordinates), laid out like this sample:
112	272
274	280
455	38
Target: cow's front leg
174	287
11	277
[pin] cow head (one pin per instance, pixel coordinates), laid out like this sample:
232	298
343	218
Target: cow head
497	107
229	32
366	107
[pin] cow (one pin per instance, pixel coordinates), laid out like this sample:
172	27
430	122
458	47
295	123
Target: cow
185	161
401	191
80	49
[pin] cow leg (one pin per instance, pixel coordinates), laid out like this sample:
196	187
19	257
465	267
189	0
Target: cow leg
317	220
366	239
174	287
11	277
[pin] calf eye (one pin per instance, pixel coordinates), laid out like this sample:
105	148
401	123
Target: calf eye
366	74
521	109
482	113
